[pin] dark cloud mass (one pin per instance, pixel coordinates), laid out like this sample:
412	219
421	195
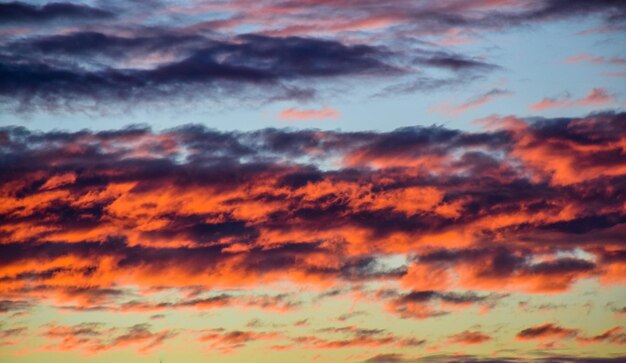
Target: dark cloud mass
31	74
68	56
21	12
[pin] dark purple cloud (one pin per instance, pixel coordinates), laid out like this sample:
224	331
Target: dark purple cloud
17	12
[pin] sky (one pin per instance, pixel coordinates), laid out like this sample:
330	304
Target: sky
313	181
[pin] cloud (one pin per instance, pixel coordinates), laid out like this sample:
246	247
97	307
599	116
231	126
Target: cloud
11	336
278	303
428	304
189	64
228	341
128	55
473	103
546	331
459	358
451	61
425	19
597	97
614	74
353	337
21	12
125	54
494	269
616	335
387	358
350	315
468	337
582	58
294	114
87	217
94	338
7	306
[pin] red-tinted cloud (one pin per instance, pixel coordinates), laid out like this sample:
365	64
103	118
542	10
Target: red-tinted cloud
88	218
597	97
93	338
352	337
616	335
428	304
546	331
473	103
227	342
468	337
11	336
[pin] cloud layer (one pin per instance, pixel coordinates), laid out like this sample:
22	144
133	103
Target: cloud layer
531	206
67	56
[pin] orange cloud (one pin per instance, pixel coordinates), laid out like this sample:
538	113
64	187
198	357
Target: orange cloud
94	338
293	114
616	335
211	210
227	342
546	331
468	337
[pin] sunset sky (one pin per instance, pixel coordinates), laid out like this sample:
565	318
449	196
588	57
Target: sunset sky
313	181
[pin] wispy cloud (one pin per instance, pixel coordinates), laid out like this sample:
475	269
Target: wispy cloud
295	114
597	97
473	103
